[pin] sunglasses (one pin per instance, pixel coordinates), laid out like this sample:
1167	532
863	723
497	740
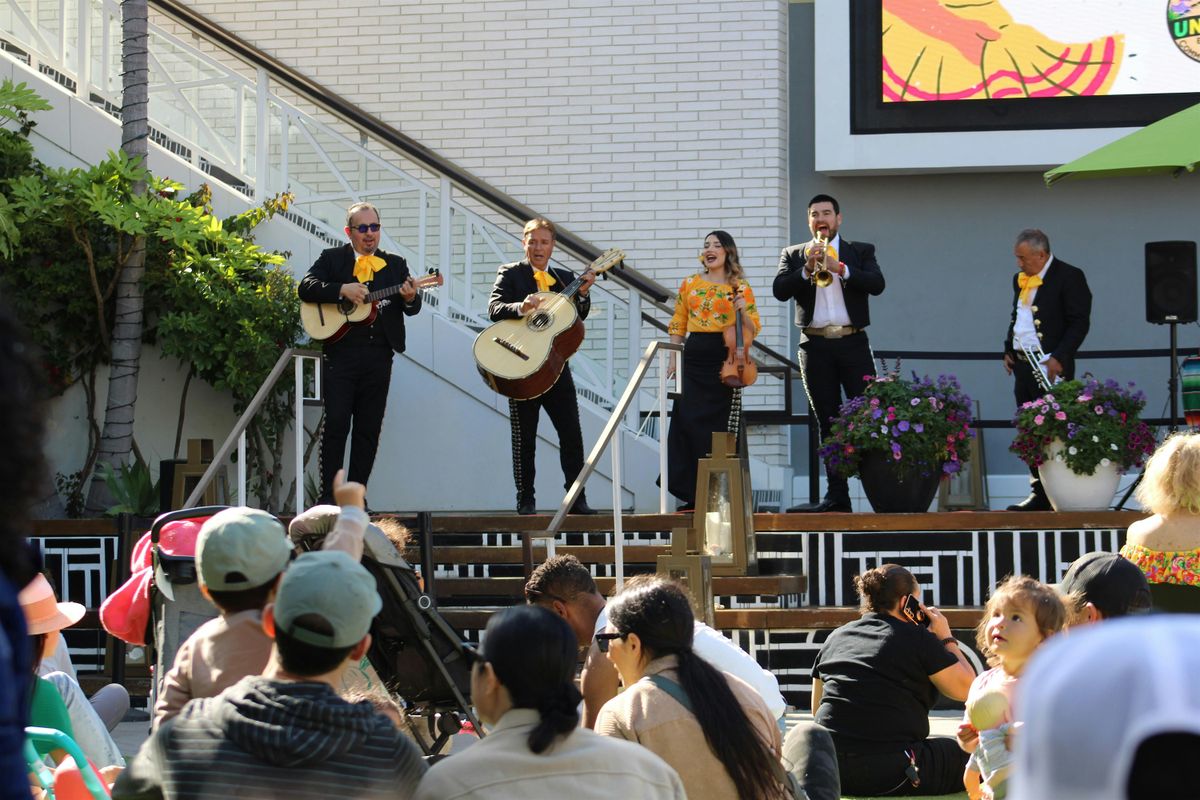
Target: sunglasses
537	595
602	640
373	228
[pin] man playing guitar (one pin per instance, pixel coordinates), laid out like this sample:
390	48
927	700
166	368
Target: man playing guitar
357	368
514	295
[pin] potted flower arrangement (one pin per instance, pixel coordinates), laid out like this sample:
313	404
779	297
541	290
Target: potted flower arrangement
1082	435
901	437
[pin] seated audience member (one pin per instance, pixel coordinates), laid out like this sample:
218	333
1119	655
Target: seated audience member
1111	712
523	687
712	727
110	702
874	682
1166	546
1020	615
1101	586
22	476
287	734
68	711
240	555
563	585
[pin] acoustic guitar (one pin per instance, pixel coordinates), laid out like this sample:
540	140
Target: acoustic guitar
328	322
522	358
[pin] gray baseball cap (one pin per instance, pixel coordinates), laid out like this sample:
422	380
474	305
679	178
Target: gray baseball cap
331	585
241	548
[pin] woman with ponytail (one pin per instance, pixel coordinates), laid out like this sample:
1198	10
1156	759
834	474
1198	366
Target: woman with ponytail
712	727
523	688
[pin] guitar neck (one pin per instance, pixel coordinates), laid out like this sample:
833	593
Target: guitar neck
421	283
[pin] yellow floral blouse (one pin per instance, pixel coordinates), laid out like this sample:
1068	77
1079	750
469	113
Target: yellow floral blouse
1180	567
706	307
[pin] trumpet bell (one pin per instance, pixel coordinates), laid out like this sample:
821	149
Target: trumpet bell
822	277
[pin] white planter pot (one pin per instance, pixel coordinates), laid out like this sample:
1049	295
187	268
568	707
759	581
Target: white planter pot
1069	491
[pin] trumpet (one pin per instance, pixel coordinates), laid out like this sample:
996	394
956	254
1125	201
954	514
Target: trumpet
1037	362
822	276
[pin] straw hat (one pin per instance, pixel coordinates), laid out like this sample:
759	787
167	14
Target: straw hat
43	612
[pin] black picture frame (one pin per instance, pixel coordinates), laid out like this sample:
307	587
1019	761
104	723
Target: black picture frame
870	115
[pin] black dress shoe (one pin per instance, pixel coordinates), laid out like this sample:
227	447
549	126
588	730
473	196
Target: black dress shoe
526	509
581	507
1035	502
822	507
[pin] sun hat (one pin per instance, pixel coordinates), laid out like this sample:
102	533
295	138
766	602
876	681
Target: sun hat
331	585
43	612
1091	697
241	548
1112	583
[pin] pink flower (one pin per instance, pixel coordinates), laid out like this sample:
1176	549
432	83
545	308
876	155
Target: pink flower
1039	419
1061	415
1099	409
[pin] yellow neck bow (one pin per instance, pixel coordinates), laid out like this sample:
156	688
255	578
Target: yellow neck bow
544	279
1028	283
365	267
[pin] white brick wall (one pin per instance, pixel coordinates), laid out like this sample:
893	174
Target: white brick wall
635	125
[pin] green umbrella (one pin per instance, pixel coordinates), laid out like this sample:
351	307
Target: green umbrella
1171	145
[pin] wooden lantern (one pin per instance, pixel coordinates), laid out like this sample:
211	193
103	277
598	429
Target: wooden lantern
724	514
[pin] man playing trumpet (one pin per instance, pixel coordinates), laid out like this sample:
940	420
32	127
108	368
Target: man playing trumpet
831	279
1052	306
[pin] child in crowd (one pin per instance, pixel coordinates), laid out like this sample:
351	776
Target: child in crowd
241	554
1020	615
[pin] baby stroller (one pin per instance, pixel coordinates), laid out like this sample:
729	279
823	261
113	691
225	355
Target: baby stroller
160	606
415	652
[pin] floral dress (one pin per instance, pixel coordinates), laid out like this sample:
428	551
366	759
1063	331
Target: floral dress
1174	576
703	310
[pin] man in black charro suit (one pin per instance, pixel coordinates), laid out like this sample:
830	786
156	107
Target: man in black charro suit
357	369
835	355
513	296
1052	308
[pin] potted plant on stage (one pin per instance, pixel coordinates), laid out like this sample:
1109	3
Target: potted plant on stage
1082	435
901	437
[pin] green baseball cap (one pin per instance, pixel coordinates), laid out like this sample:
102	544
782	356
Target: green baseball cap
241	548
333	586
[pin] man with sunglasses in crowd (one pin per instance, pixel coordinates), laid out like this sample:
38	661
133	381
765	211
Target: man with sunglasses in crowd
357	368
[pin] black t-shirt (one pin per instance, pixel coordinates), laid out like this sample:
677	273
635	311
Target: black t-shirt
877	692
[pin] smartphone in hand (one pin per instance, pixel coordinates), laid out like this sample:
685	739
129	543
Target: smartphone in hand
912	609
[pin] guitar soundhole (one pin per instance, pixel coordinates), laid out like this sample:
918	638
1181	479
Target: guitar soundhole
540	321
346	307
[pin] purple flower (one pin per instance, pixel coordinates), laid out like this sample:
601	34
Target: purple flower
916	401
903	426
876	414
1099	409
919	427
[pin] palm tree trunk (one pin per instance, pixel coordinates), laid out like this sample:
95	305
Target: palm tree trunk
116	439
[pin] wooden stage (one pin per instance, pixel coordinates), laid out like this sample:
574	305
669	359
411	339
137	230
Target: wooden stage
474	564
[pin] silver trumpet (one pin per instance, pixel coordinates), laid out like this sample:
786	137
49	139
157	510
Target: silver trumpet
1037	362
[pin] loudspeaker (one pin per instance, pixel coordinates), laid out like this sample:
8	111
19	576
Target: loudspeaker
1170	282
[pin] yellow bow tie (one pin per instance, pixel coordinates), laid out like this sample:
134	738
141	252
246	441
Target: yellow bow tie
544	279
1028	283
365	267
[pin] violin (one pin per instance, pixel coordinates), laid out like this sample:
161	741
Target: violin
739	368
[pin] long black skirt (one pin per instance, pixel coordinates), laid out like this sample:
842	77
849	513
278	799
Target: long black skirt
705	407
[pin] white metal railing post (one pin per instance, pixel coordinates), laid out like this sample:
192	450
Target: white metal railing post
618	523
262	124
242	468
444	226
299	433
633	419
83	72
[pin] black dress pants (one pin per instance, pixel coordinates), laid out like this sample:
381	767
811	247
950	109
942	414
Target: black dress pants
829	368
562	406
940	765
356	374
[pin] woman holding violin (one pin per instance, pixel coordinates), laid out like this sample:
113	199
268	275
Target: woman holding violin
707	311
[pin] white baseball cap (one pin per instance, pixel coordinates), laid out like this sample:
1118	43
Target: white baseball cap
1091	697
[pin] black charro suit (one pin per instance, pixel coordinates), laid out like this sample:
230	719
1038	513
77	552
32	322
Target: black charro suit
515	282
357	369
1062	310
832	366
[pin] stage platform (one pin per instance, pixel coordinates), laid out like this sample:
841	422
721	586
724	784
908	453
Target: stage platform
475	564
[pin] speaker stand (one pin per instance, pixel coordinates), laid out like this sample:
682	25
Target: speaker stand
1173	389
